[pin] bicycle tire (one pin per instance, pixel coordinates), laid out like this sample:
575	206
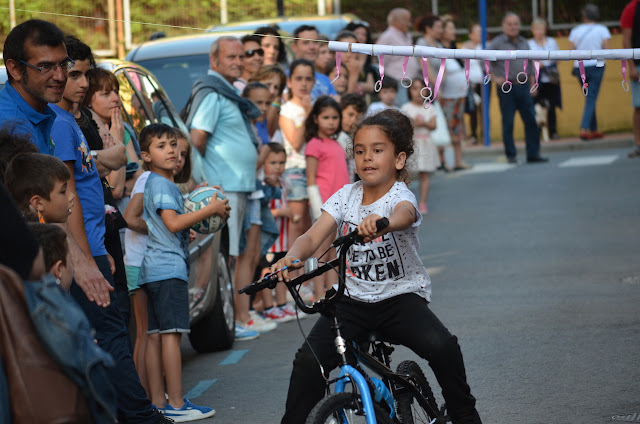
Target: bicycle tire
329	409
409	409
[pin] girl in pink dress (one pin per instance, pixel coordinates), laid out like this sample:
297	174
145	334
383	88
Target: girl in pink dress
327	170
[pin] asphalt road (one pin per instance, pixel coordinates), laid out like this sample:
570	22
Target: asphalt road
535	268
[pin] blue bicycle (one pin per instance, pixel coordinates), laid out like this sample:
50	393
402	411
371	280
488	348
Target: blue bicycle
403	396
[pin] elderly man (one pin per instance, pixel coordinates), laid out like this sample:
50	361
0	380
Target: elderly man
397	34
221	131
519	97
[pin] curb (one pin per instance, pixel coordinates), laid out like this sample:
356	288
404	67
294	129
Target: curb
614	141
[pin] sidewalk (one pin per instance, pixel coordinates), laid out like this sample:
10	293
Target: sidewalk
610	141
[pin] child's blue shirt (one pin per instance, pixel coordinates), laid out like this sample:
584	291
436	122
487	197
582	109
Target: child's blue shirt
167	254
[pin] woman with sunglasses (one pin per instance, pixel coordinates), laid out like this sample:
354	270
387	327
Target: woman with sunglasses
253	59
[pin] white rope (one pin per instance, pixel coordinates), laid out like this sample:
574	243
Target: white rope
492	55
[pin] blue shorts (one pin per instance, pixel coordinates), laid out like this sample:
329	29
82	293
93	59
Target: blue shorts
635	94
133	275
168	306
297	187
253	212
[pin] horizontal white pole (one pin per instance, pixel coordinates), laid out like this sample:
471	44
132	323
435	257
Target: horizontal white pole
492	55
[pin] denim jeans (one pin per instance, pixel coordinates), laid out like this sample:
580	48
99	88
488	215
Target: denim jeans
405	320
112	336
65	331
519	99
594	76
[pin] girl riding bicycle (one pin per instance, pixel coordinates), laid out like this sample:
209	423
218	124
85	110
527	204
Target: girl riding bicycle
387	287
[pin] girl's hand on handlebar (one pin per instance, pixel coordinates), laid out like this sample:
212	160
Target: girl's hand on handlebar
367	228
287	261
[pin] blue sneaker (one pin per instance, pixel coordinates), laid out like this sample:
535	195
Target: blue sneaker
188	412
244	333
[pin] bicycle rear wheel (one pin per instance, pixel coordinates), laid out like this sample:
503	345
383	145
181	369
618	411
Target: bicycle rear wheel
409	409
342	408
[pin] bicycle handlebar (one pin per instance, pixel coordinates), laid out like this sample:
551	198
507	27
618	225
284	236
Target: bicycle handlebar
344	242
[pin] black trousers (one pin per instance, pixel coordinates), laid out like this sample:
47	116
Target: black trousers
405	320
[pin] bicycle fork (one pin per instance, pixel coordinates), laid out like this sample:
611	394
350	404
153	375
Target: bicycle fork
348	372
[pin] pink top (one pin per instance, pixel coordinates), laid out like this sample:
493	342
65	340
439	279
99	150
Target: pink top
282	242
332	172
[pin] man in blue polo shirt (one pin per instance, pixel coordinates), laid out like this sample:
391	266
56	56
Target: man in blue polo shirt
305	46
38	67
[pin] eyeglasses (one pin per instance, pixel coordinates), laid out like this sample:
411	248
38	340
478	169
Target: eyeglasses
47	68
252	52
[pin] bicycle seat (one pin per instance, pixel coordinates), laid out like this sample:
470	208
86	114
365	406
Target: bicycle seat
374	336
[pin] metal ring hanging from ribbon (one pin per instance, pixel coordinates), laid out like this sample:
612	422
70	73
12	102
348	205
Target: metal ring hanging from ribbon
583	77
378	86
487	75
467	66
524	72
506	78
426	88
536	67
405	62
625	84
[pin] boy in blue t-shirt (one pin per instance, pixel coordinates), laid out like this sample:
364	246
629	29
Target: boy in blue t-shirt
165	270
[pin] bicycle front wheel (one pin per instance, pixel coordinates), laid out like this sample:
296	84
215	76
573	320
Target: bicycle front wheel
343	408
409	409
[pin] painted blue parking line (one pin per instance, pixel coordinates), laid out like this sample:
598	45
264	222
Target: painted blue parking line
200	388
234	357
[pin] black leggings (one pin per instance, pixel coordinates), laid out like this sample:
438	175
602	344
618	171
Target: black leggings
405	320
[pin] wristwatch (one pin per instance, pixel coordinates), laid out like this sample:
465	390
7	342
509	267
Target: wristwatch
94	154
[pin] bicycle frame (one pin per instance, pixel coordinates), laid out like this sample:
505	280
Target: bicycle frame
394	382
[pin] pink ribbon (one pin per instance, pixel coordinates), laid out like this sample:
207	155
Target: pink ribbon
338	62
405	62
625	84
524	72
443	61
506	78
378	86
583	77
426	88
467	66
487	73
536	66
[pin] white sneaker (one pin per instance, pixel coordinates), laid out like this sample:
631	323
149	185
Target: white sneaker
306	293
291	311
259	324
278	315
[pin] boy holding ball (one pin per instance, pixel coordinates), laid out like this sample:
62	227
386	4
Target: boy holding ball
164	273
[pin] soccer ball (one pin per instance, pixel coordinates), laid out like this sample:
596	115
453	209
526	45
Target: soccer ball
199	199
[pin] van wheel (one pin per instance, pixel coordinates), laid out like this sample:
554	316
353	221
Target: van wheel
216	330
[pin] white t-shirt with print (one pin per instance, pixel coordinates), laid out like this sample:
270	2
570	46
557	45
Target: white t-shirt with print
295	158
135	243
389	265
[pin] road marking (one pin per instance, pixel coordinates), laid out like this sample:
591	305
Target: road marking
234	357
200	388
434	270
485	168
589	161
